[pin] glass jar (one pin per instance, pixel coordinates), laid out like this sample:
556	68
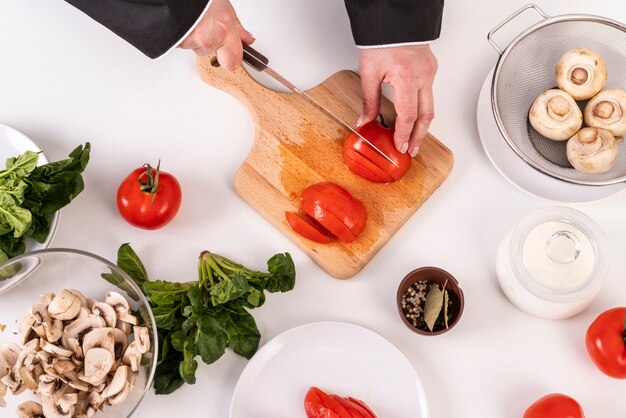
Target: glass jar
553	263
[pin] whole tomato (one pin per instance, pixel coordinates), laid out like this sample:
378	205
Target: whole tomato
363	160
555	405
149	198
606	342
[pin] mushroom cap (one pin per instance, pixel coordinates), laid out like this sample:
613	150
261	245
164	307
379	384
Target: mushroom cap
607	110
592	150
117	383
132	357
52	410
98	363
119	302
80	326
555	115
65	305
29	409
106	311
581	73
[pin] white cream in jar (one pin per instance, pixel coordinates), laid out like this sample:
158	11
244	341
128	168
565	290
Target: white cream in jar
553	263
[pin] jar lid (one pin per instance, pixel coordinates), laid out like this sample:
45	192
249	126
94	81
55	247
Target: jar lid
565	240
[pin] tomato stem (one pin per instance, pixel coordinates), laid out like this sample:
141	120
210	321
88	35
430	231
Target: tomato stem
151	184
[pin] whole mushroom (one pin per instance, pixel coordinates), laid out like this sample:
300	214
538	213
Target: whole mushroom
581	73
555	115
607	110
592	150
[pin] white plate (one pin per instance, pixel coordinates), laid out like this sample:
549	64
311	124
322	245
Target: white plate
337	357
12	144
522	175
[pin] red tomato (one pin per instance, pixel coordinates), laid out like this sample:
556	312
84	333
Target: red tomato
362	405
555	405
318	404
361	158
606	342
306	227
355	410
149	198
335	209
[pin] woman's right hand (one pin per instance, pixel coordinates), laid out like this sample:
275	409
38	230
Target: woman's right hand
219	32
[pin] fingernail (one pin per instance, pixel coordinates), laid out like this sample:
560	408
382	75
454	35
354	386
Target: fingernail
360	120
404	147
414	151
249	34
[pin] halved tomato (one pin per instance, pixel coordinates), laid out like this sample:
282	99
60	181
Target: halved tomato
306	227
382	138
323	201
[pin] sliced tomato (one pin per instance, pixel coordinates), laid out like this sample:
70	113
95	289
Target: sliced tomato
364	167
327	220
318	404
363	405
355	410
304	226
337	201
382	138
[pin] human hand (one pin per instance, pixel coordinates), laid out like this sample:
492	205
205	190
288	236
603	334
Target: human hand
220	32
410	70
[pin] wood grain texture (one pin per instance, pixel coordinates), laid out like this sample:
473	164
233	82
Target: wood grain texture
297	145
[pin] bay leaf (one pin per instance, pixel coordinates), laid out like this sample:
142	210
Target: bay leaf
433	305
446	298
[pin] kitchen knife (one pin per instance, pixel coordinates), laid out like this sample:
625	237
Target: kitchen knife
260	63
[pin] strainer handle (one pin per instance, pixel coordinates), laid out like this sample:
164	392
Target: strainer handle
508	19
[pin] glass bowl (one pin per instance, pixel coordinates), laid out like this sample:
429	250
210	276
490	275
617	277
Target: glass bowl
24	278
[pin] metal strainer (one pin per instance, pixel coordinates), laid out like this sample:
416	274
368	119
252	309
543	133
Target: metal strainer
526	68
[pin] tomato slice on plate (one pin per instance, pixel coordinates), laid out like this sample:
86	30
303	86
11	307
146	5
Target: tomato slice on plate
318	404
306	227
362	405
355	410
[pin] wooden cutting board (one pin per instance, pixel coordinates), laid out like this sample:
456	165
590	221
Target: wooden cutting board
297	145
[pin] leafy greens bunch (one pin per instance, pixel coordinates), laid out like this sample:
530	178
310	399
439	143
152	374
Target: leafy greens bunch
204	317
29	195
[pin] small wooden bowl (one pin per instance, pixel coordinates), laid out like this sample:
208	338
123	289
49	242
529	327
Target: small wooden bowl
439	276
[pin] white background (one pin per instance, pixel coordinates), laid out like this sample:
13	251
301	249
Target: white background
65	80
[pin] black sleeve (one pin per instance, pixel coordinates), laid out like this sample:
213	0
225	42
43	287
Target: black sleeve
383	22
152	26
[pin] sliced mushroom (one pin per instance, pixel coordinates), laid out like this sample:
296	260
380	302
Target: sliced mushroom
46	298
2	328
67	401
74	345
118	302
55	349
84	312
62	366
143	339
9	354
607	110
120	379
51	410
81	326
79	295
26	328
28	350
131	319
40	330
98	363
132	357
27	378
65	305
107	312
53	330
592	150
124	326
120	397
47	384
555	115
30	409
39	314
74	382
581	73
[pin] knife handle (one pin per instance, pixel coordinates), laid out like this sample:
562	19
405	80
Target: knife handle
254	58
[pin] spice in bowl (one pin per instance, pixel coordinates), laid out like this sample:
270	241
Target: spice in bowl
430	301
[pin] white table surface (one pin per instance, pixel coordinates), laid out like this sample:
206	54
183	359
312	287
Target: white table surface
65	79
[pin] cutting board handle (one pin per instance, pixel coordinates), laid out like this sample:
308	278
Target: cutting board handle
237	83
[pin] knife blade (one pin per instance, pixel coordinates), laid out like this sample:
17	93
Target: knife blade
260	63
